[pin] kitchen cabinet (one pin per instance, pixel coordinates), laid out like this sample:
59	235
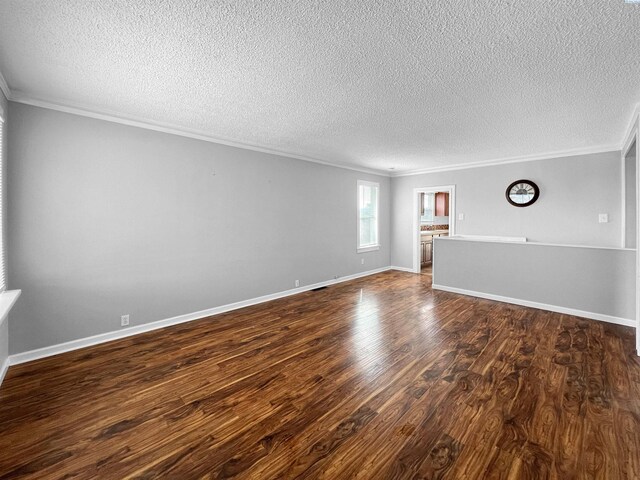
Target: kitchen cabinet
426	244
442	204
426	252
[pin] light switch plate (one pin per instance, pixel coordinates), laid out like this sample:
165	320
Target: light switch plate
603	218
461	216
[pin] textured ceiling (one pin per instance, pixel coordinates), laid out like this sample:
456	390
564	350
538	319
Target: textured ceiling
399	83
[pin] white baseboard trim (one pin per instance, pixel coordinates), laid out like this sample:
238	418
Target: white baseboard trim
147	327
403	269
3	369
542	306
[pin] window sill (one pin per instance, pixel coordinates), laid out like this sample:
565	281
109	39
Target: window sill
372	248
7	300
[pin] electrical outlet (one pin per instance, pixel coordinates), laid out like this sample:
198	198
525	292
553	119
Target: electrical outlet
603	218
124	320
362	261
461	216
297	283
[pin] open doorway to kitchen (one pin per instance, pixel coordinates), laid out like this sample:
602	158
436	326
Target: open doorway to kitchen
433	217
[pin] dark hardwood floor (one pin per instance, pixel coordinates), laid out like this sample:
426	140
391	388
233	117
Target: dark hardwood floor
378	378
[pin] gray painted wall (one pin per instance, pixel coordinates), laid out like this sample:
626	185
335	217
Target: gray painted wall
573	191
109	219
541	273
4	329
630	197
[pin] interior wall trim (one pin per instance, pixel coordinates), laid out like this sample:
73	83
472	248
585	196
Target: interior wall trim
402	269
44	352
542	306
524	241
8	298
88	111
4	86
631	128
3	369
49	351
505	161
115	117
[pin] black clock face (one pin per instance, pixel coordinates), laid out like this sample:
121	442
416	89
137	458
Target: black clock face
522	193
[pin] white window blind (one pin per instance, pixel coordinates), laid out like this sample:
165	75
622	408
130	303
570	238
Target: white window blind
3	284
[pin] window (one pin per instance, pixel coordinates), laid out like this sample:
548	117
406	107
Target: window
368	202
2	263
428	206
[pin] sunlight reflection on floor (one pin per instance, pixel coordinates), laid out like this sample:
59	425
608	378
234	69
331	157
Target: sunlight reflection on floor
366	334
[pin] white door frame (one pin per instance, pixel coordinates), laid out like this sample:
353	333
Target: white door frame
633	136
451	190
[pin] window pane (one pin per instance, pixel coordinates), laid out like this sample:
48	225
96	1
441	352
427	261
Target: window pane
368	215
2	259
429	207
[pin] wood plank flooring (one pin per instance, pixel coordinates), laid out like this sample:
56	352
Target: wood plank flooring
378	378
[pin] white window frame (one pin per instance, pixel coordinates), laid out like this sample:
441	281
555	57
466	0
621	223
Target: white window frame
3	247
367	248
7	297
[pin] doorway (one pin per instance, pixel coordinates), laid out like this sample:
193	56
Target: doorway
631	208
433	216
630	197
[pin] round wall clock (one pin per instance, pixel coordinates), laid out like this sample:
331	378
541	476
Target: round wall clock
522	193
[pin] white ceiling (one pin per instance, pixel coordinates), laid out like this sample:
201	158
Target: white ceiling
408	84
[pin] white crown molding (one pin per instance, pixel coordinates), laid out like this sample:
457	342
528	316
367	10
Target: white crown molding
508	160
4	86
87	111
542	306
147	327
633	124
